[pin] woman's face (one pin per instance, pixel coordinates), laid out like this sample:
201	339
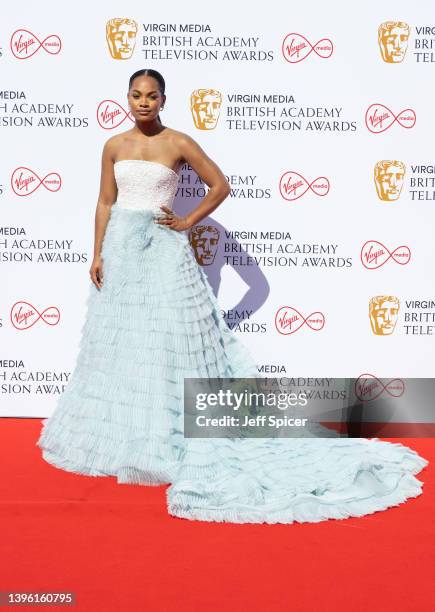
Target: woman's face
145	98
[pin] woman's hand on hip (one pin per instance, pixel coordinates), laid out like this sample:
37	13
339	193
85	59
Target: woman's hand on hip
172	220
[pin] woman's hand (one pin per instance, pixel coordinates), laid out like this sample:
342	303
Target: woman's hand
172	220
96	271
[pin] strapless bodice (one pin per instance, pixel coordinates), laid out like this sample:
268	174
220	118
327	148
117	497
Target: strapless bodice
144	185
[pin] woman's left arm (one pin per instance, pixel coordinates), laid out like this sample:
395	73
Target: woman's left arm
210	173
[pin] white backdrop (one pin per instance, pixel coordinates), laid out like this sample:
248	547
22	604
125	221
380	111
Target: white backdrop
46	236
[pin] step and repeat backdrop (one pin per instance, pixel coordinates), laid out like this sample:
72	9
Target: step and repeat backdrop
322	121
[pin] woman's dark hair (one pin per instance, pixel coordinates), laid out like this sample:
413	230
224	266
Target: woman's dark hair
151	73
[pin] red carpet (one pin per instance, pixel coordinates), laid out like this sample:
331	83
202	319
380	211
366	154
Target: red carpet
116	547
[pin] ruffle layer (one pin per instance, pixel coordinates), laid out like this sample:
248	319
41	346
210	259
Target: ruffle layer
155	322
292	480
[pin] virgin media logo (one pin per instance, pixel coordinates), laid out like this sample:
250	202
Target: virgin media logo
288	320
24	315
379	118
295	48
293	186
111	114
374	254
25	181
368	388
24	44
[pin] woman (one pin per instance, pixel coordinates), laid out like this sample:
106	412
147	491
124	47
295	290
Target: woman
153	320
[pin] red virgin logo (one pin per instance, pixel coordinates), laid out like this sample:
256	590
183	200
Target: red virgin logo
368	388
379	118
374	254
24	315
110	114
25	181
24	44
288	320
296	47
293	186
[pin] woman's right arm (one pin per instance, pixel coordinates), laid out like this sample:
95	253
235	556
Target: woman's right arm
106	198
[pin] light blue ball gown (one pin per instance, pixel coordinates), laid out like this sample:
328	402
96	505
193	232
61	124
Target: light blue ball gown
156	321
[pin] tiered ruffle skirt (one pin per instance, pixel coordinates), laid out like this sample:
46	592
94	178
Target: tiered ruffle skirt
155	322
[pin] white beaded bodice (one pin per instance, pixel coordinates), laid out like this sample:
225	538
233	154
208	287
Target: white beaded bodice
144	185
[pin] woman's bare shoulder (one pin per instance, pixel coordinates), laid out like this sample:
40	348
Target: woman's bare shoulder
113	144
180	137
184	144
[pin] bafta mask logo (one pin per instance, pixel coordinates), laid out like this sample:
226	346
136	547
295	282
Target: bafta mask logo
121	37
205	107
393	41
204	240
389	177
383	313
